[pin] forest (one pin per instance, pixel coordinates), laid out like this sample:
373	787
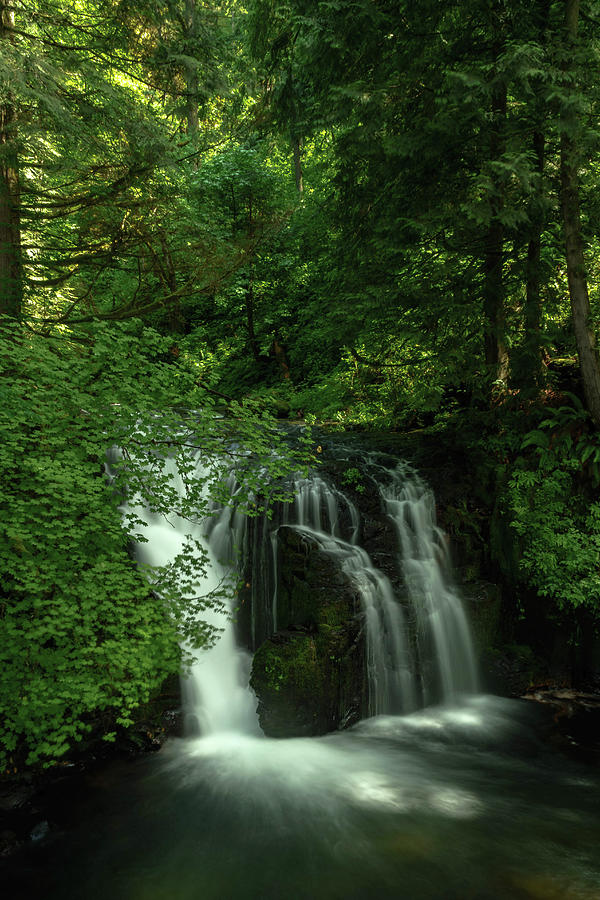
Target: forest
366	216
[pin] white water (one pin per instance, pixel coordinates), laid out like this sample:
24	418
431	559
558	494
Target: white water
441	618
434	805
391	682
216	693
448	803
319	509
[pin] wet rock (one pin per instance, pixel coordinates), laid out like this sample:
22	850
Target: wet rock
309	684
576	720
309	677
483	602
9	842
15	794
40	831
308	580
512	669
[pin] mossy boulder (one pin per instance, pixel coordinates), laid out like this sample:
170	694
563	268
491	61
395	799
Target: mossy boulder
309	677
311	588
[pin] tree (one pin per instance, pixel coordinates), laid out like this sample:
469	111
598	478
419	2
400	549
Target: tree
447	124
570	200
113	223
101	85
11	288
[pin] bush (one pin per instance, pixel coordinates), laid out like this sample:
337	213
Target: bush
82	636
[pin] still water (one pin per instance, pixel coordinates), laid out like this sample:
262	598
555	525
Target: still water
459	803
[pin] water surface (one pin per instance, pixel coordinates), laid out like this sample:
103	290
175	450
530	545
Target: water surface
449	803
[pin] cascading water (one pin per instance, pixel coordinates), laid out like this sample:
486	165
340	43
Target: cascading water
424	629
319	511
390	679
442	627
215	692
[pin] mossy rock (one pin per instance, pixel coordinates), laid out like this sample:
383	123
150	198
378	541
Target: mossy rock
484	604
311	586
309	677
309	684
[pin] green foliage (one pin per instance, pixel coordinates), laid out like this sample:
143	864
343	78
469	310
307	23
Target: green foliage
83	638
353	478
554	511
559	535
112	217
155	163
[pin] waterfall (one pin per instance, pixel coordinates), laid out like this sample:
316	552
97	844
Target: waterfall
418	646
215	692
442	627
319	510
390	679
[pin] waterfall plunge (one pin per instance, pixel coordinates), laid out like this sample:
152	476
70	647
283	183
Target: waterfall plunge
216	694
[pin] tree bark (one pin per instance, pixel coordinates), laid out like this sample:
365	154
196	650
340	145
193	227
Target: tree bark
11	280
533	306
297	164
532	313
585	336
249	295
169	276
249	303
191	75
279	354
496	351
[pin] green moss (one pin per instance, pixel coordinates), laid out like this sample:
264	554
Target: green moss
292	667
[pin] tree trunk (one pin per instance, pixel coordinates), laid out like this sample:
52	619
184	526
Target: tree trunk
11	281
191	75
496	351
297	164
169	275
249	303
540	15
249	295
278	352
533	308
585	336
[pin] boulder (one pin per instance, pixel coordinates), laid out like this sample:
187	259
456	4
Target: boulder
309	677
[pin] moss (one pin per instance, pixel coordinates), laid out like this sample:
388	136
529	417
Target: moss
286	677
309	683
291	664
504	546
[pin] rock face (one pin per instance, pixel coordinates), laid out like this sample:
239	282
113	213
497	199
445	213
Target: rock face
309	677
